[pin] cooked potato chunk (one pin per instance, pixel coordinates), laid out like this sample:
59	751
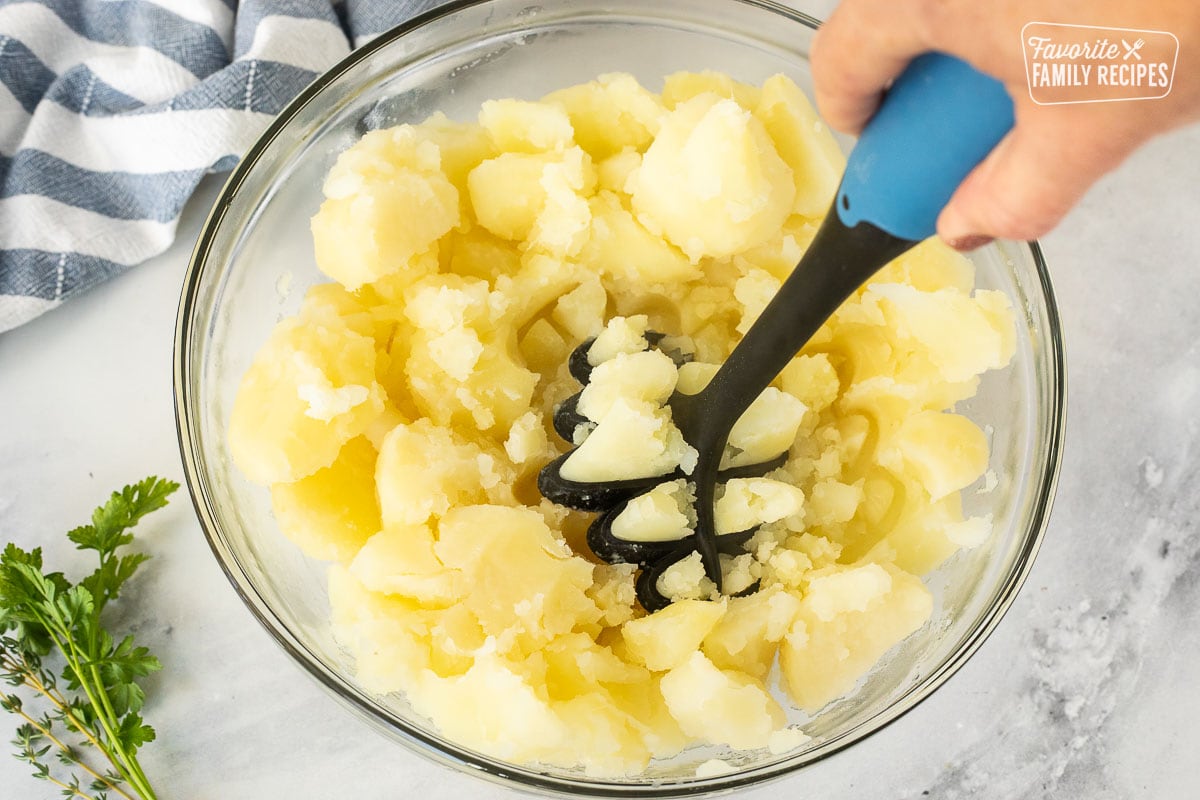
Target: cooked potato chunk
712	183
331	513
387	176
310	389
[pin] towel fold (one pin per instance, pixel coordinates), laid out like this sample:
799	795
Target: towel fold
111	112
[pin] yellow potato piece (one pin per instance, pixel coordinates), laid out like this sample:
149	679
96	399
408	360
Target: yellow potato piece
964	336
609	735
459	365
848	619
636	439
536	287
721	706
425	470
746	503
389	635
611	114
656	516
581	311
812	380
804	142
538	199
523	127
491	708
613	173
621	246
747	637
680	87
387	176
926	533
507	194
712	183
947	452
647	376
527	588
544	348
665	639
930	266
310	389
331	513
478	253
463	146
400	561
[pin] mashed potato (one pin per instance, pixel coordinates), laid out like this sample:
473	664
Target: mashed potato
402	416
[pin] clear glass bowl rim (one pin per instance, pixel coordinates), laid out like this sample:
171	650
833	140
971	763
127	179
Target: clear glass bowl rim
500	772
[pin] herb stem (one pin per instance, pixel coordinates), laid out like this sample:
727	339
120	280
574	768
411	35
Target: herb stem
137	778
141	783
74	790
64	748
71	653
32	682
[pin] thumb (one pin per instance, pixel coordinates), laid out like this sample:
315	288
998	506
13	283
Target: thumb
1023	188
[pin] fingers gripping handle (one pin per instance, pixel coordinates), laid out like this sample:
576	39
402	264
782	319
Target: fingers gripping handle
939	120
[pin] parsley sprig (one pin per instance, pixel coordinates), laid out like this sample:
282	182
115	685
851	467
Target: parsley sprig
73	685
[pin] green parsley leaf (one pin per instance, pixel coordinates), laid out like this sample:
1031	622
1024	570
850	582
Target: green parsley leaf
94	697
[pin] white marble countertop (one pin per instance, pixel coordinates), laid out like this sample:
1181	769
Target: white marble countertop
1086	690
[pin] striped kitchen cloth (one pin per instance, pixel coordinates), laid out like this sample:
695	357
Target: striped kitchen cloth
111	111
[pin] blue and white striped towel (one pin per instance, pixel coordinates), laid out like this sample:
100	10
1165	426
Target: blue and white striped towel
111	111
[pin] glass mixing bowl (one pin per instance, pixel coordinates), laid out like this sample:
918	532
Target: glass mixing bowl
254	259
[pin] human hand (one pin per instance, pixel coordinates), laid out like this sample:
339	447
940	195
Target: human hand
1054	153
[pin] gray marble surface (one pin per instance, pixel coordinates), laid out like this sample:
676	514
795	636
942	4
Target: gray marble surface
1086	690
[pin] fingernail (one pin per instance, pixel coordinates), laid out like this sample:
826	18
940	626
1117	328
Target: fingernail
964	244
